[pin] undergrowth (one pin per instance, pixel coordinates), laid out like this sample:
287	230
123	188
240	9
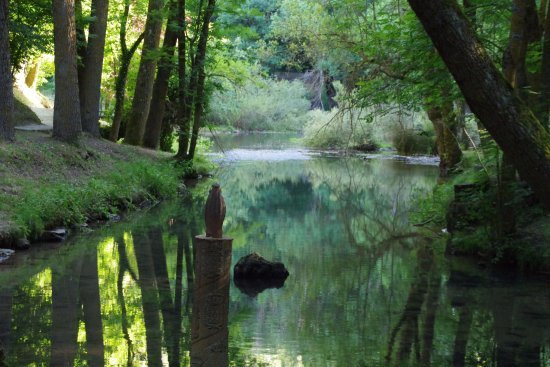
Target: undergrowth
45	183
64	204
479	221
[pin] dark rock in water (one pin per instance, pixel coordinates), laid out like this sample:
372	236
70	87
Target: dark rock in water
54	235
252	287
5	254
253	266
22	244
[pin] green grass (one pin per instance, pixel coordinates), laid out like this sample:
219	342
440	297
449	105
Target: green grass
64	204
45	183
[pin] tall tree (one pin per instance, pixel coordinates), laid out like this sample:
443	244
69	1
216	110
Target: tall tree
90	78
7	131
509	121
153	127
545	64
146	75
126	55
183	113
66	117
198	78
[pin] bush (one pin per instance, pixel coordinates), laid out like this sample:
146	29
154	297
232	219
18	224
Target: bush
411	142
261	104
338	130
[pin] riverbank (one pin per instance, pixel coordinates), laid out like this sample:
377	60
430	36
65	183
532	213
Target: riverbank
45	183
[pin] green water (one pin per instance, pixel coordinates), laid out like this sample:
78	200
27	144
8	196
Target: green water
365	288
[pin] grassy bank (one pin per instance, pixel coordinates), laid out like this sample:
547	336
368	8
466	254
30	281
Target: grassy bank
45	183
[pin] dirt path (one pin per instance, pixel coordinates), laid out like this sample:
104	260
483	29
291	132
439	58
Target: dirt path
44	114
46	117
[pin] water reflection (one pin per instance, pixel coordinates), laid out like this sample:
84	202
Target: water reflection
366	289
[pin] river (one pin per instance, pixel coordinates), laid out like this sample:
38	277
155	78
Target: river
366	287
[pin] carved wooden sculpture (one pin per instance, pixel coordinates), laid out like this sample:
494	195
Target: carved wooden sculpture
209	324
214	212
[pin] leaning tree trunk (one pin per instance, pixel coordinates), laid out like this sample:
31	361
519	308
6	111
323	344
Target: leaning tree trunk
7	131
153	127
66	116
146	75
509	121
93	65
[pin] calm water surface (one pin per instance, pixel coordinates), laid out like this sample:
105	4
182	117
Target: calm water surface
365	288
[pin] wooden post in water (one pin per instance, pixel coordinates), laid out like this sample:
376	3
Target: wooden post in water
209	330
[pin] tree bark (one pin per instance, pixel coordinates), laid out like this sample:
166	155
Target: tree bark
122	77
545	68
66	115
80	41
448	148
7	130
509	121
183	112
90	92
153	127
198	101
146	75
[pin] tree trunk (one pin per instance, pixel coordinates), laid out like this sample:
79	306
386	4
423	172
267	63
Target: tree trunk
66	116
65	314
448	148
545	71
91	310
509	121
120	90
149	295
7	131
146	75
514	71
182	114
80	41
6	313
153	127
90	93
198	102
122	77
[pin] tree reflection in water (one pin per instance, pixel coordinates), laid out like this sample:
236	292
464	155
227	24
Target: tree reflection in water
366	289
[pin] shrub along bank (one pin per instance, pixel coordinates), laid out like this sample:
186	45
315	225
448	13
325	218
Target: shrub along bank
45	183
498	222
